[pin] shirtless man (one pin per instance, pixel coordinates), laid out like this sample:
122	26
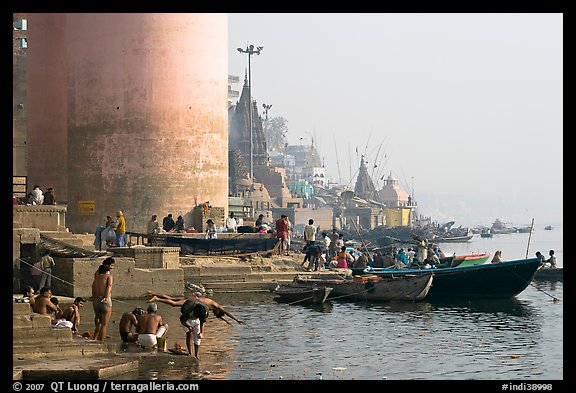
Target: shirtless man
72	313
43	305
128	320
151	328
102	299
216	308
193	316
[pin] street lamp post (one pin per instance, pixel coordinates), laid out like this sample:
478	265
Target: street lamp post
266	109
250	51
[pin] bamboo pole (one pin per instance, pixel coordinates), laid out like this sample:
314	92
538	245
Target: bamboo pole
529	237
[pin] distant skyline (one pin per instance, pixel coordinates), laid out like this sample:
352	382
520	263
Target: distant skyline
462	107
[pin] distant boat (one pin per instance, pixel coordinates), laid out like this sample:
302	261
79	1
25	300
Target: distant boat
548	228
486	233
452	239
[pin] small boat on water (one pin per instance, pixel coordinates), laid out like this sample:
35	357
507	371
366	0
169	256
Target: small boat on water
300	294
486	233
452	239
487	280
550	274
548	227
372	287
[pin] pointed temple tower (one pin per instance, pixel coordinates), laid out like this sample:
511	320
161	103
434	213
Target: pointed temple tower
239	136
364	187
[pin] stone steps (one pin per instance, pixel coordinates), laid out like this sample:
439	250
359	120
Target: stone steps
75	348
33	336
82	240
93	368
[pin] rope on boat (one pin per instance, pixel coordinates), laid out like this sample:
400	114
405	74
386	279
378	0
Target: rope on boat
541	290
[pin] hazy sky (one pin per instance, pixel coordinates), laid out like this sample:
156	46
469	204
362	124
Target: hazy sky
464	107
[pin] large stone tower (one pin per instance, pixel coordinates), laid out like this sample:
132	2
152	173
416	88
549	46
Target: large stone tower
133	109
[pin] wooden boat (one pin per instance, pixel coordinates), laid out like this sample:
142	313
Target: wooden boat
451	239
386	241
464	260
372	287
301	294
488	280
551	274
227	244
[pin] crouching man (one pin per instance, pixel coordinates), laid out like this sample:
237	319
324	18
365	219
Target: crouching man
151	330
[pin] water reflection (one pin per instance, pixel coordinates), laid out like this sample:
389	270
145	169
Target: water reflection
460	339
510	307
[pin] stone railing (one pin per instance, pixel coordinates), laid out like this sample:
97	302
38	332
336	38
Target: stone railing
42	217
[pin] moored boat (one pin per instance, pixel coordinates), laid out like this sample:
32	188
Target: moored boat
488	280
552	274
225	244
452	239
373	288
301	294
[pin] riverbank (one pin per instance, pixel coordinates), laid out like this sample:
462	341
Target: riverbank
77	363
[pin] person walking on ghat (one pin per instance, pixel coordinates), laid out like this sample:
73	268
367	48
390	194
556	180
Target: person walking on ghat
281	232
288	234
46	263
310	233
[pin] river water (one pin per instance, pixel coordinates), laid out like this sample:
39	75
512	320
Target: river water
513	339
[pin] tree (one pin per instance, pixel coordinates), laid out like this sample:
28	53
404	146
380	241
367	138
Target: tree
276	131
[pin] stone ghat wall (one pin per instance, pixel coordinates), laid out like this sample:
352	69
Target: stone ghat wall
74	277
42	217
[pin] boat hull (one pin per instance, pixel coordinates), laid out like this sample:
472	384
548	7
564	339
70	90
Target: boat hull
490	280
548	274
374	288
298	294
